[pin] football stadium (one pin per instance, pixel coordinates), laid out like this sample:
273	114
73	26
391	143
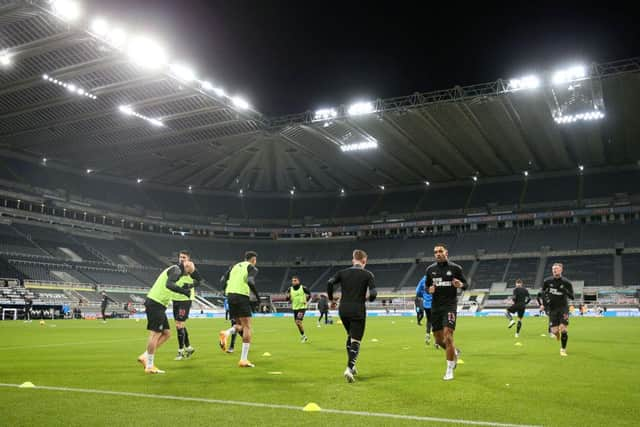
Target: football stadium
171	254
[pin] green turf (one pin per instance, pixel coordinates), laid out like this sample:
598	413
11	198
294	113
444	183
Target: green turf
500	382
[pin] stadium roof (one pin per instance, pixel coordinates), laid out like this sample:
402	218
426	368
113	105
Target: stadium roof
70	96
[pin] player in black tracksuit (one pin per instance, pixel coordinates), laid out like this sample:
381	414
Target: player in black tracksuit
520	300
444	278
557	292
103	305
354	283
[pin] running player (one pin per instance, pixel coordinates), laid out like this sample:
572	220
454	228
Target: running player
28	303
182	307
158	299
354	282
239	281
299	297
427	299
103	305
520	300
558	291
444	278
417	302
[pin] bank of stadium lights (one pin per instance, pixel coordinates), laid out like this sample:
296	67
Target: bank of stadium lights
360	108
525	173
570	74
581	168
69	86
474	178
359	146
381	187
572	118
427	183
526	82
240	102
146	53
69	10
125	109
325	114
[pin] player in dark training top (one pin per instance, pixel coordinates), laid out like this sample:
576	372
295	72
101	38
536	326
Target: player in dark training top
354	283
444	278
103	305
520	300
557	292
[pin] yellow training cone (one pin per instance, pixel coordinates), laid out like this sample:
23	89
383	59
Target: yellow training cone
519	344
266	354
311	407
460	362
27	384
374	339
339	322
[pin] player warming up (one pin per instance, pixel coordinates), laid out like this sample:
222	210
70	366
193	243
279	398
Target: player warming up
299	297
557	292
427	299
158	299
354	283
239	282
182	307
444	278
520	300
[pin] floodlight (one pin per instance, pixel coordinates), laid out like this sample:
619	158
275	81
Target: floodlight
367	145
146	53
240	103
68	10
206	85
569	74
99	27
360	108
5	59
325	114
183	72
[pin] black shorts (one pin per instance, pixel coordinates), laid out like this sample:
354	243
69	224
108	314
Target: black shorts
181	310
559	317
239	306
443	318
156	316
519	309
354	326
299	314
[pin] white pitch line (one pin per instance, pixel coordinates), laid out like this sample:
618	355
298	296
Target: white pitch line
268	405
69	343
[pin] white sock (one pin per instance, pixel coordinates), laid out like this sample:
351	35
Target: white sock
150	361
245	350
451	364
230	331
145	354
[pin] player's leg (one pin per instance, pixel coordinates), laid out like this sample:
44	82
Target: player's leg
178	317
188	350
520	316
419	315
234	334
564	333
103	310
439	320
508	312
245	322
346	324
356	333
451	350
427	312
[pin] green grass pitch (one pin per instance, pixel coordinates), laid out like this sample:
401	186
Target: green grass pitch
598	384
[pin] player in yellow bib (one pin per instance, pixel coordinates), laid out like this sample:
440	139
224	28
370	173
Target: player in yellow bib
158	299
299	297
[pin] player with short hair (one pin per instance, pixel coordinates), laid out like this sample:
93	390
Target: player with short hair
520	300
182	307
558	291
354	282
239	281
444	278
158	299
323	308
427	300
299	297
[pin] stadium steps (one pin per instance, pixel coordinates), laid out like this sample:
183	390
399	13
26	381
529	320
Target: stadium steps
472	271
407	276
93	251
150	252
283	285
617	269
322	277
540	272
205	302
28	238
506	270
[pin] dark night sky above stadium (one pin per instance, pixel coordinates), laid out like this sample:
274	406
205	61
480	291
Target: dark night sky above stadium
292	56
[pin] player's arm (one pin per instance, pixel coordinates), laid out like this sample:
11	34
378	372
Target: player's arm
569	289
428	284
459	281
287	294
307	293
527	299
173	274
224	279
251	280
197	278
333	281
373	293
